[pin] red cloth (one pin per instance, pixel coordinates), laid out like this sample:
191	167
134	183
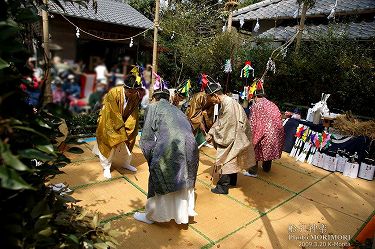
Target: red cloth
268	131
204	82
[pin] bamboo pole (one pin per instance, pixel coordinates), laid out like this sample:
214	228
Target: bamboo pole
155	47
230	17
47	57
230	5
301	26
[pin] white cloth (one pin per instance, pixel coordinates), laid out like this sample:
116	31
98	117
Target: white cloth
101	72
120	156
177	205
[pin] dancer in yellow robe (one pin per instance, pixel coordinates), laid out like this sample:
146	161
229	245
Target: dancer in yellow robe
118	125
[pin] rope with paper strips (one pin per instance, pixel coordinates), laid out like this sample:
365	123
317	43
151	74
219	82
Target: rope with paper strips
271	66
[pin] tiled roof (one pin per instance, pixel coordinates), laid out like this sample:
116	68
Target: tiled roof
361	31
108	11
284	9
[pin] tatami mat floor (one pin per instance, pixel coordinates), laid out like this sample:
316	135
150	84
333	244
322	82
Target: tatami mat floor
275	210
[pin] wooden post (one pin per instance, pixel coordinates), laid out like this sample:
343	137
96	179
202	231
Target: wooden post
47	57
301	26
155	48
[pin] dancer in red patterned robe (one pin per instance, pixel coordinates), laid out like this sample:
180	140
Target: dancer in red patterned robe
268	132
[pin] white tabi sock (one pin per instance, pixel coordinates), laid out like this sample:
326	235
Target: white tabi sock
107	173
248	174
130	167
142	217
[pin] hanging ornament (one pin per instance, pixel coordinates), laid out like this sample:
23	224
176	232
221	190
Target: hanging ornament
163	4
295	14
284	52
228	66
256	28
131	42
172	36
137	72
271	66
157	80
333	11
242	21
245	71
203	81
77	32
252	89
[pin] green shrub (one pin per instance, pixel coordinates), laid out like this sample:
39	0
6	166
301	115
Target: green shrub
32	214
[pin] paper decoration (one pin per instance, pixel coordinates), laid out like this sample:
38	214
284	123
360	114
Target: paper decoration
159	82
311	155
136	72
228	66
341	162
351	170
77	32
330	163
366	171
185	88
295	14
246	70
242	21
131	42
314	160
320	161
204	82
271	66
257	26
333	11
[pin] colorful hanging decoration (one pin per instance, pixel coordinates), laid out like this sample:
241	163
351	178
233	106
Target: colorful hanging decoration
184	88
203	82
228	66
160	83
136	71
245	71
257	84
157	83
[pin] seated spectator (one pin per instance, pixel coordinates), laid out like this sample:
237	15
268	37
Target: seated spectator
95	98
101	71
58	93
71	87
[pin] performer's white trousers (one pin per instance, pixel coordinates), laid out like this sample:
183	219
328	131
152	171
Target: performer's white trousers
120	156
177	205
